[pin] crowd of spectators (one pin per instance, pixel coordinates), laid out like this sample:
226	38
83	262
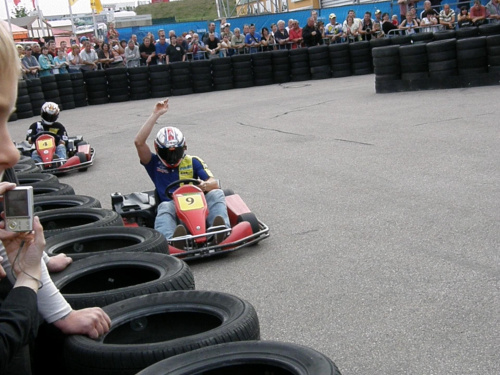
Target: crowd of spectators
90	54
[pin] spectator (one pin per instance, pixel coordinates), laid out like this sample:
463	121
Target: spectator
98	44
226	31
134	38
413	13
225	47
395	20
464	19
378	17
74	59
447	17
356	21
30	64
197	47
148	52
281	35
36	49
246	30
274	28
161	47
351	30
20	51
61	62
428	8
429	22
333	30
295	35
366	27
113	34
478	13
132	55
314	15
46	62
493	9
175	52
238	41
52	48
163	168
213	46
64	47
211	29
387	25
253	40
310	34
182	42
267	40
89	58
105	55
290	25
408	24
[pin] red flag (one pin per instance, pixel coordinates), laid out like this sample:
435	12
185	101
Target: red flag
35	4
16	2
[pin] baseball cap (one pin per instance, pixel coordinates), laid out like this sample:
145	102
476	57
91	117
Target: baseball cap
83	39
189	36
332	15
378	11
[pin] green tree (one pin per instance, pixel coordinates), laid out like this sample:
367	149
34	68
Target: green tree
20	11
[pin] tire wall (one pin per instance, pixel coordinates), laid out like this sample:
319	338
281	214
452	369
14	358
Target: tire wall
101	87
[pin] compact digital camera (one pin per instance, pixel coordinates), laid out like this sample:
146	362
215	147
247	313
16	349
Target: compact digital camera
18	207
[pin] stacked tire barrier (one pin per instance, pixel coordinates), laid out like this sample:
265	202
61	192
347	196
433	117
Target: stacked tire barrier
242	71
456	57
386	64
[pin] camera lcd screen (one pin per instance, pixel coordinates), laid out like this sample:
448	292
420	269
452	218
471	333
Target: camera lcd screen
16	203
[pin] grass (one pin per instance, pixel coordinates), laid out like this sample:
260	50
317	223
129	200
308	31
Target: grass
182	11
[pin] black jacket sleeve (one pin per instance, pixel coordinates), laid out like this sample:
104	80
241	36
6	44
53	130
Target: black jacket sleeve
18	322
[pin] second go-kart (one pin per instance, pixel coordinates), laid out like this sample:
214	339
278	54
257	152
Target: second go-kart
139	209
80	155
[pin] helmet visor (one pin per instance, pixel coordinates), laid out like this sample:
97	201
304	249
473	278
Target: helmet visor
171	156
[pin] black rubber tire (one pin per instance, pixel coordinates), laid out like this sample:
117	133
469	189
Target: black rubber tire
45	203
380	42
493	40
400	39
441	56
422	37
149	328
489	29
251	218
68	219
414	68
387	51
441	46
33	179
414	76
442	65
384	61
387	69
86	242
26	168
104	279
24	159
474	43
53	189
247	357
444	34
467	32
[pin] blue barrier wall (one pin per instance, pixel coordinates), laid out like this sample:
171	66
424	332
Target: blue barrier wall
260	21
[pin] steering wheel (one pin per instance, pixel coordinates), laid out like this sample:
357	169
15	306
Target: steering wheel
178	182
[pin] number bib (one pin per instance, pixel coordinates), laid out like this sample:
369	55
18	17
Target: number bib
45	144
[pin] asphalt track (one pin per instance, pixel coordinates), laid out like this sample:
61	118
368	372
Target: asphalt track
384	212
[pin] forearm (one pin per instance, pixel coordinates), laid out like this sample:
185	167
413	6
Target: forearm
145	131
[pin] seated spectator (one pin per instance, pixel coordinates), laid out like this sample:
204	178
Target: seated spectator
213	46
61	62
46	62
387	25
74	59
253	40
429	22
175	51
105	55
161	47
89	58
197	47
408	24
351	30
238	41
267	40
30	64
148	51
478	13
464	19
310	34
132	55
333	30
493	9
447	17
295	35
366	27
281	35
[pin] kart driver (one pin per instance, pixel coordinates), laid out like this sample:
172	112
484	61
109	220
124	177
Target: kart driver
163	168
49	113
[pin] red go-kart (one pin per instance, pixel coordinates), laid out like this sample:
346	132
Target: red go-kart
139	209
80	155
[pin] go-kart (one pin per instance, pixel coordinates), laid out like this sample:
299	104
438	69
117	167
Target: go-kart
80	155
139	209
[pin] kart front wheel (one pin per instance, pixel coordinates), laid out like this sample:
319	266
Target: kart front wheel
252	219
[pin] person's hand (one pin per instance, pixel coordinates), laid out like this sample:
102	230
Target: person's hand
161	107
3	274
58	263
93	322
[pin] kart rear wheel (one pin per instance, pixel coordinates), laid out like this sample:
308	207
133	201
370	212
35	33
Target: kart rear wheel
83	159
252	219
